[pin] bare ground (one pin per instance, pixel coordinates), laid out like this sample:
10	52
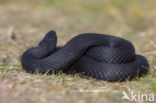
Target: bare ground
24	23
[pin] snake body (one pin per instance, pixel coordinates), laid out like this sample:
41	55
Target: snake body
99	56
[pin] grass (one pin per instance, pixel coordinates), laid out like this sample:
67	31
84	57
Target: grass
29	20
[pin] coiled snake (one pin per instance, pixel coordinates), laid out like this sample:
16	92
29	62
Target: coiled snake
99	56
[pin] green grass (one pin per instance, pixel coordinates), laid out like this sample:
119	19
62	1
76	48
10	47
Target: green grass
50	3
31	19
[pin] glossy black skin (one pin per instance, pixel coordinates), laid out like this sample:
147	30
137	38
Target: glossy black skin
99	56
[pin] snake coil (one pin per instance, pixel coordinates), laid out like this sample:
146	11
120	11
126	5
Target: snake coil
99	56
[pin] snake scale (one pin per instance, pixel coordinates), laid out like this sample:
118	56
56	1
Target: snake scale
95	55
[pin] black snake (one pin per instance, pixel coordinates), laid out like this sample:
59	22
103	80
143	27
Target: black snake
99	56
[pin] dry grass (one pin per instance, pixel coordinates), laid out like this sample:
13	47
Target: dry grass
29	20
